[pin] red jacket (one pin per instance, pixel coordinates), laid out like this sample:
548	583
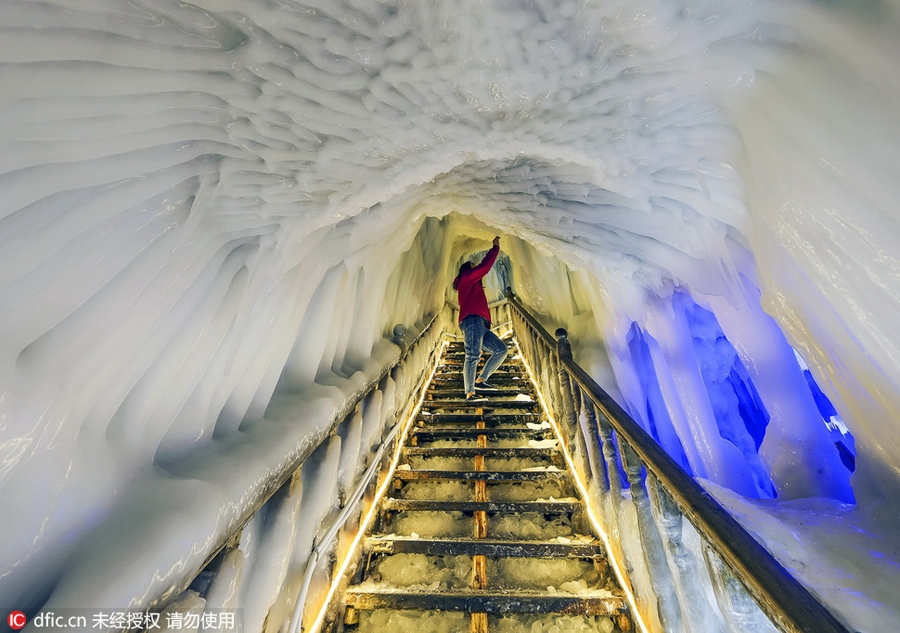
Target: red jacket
468	286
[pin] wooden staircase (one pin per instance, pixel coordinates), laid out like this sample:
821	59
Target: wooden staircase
482	528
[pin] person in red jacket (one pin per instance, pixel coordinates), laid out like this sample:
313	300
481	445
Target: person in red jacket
475	322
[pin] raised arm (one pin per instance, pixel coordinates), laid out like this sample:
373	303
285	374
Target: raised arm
490	257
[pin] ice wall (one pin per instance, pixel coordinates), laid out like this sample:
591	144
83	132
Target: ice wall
821	170
208	203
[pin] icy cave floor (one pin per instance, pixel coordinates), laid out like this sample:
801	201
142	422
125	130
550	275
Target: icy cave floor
848	561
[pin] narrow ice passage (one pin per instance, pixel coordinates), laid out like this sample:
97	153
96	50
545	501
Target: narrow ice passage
222	221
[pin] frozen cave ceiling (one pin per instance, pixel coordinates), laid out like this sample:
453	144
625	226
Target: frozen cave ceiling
192	190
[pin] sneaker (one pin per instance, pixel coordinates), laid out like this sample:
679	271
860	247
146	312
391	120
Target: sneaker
485	386
476	399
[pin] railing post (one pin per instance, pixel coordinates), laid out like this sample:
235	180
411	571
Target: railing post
660	576
551	379
535	351
572	396
592	444
741	611
697	611
566	399
609	456
531	350
579	434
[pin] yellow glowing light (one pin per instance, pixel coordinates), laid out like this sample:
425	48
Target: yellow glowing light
584	495
364	526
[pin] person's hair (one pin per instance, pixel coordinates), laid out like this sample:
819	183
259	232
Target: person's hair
465	266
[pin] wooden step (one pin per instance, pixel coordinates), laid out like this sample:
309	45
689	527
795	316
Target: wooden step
425	424
487	418
441	380
537	453
450	374
497	548
480	475
505	367
490	403
458	359
459	393
542	507
429	434
461	350
488	601
455	381
461	353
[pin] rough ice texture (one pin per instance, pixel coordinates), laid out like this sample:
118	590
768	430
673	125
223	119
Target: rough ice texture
442	463
529	525
441	573
453	444
529	490
833	549
513	623
214	212
413	621
430	524
514	463
418	571
439	490
560	574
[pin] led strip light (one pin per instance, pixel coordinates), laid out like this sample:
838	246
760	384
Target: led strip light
629	596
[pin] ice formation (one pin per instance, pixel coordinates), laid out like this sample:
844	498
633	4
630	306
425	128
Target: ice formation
420	571
437	622
432	524
215	213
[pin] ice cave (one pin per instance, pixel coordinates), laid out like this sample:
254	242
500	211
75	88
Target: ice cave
229	230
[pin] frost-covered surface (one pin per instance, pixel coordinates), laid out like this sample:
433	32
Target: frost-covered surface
514	463
832	548
439	490
551	574
214	212
452	622
545	624
431	524
403	621
467	463
442	573
421	572
441	463
529	525
526	525
453	444
465	491
529	490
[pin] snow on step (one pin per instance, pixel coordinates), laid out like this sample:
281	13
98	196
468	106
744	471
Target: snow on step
474	469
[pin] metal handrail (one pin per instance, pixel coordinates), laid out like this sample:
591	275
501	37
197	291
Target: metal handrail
282	478
788	604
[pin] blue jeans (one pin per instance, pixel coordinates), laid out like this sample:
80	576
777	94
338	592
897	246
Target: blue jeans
478	336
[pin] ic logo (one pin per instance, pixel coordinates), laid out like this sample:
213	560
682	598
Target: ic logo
16	620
